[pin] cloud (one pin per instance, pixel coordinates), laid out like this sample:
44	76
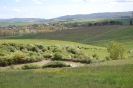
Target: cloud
26	10
16	10
30	16
124	1
37	2
57	11
17	0
77	0
4	16
89	0
4	7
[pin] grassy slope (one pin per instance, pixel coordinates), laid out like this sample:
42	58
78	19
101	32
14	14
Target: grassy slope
100	51
98	35
112	74
94	76
5	24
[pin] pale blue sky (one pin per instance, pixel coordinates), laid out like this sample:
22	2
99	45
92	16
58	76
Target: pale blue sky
54	8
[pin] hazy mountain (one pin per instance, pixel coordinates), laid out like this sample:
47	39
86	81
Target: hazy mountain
22	20
106	15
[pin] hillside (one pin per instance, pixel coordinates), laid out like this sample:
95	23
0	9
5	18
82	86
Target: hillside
106	15
96	35
23	20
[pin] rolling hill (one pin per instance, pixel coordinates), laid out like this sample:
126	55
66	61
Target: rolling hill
105	15
96	35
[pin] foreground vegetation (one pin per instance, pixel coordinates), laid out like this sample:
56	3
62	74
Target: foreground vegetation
18	53
114	76
96	35
34	47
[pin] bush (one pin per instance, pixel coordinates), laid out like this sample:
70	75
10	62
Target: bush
19	57
83	60
73	51
57	50
2	54
116	50
95	56
55	64
107	58
3	61
30	66
58	56
47	55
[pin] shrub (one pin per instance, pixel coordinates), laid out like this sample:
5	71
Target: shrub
30	58
19	57
58	56
47	55
40	46
3	61
30	66
57	50
107	58
55	64
95	56
2	54
83	60
73	51
116	50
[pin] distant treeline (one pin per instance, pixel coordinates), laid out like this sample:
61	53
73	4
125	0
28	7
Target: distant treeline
13	30
86	24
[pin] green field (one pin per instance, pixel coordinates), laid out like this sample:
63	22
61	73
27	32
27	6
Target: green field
98	35
5	24
93	40
117	76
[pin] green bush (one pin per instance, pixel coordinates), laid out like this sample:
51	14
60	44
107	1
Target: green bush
57	50
19	57
73	51
95	56
47	55
83	60
55	64
3	61
58	56
116	50
30	66
107	58
2	54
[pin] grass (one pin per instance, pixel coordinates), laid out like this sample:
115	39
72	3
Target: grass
5	24
109	74
98	35
119	76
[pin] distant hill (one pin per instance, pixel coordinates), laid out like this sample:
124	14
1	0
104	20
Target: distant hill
22	20
106	15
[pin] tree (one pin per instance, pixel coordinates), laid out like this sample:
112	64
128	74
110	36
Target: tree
116	50
131	22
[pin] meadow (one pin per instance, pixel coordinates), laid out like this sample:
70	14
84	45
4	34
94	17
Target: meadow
93	41
94	76
96	35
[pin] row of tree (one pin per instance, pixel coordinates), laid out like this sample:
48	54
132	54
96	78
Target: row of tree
87	24
13	30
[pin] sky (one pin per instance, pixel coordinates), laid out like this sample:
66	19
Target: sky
48	9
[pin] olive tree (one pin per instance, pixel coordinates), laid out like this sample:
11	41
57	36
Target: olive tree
116	50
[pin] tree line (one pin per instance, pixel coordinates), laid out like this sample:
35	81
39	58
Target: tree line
88	24
13	30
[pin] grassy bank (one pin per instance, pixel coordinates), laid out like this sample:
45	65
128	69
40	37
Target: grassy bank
119	76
